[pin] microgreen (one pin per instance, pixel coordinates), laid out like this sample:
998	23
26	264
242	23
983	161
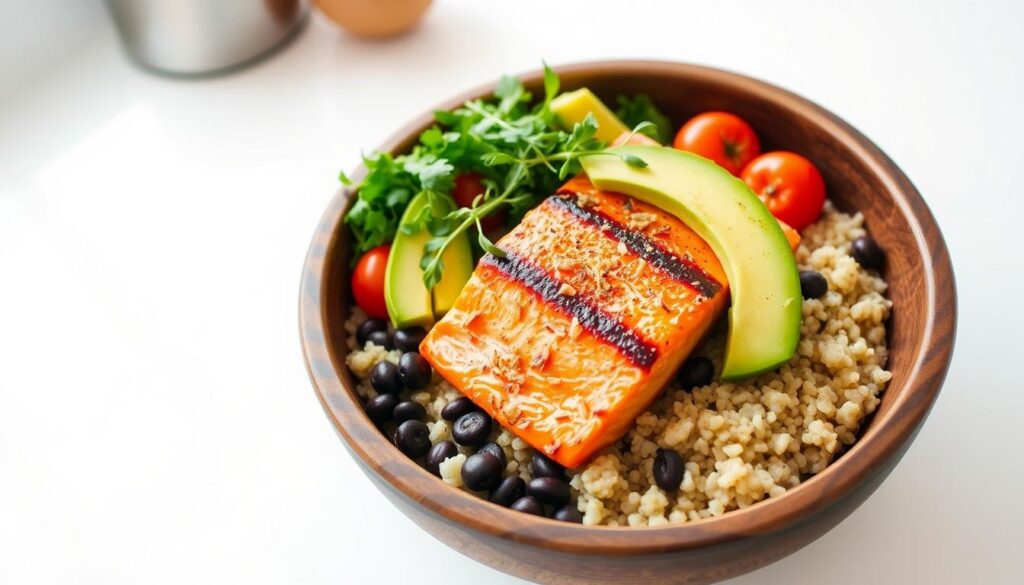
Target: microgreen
518	149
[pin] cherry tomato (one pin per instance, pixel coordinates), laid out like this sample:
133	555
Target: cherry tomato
722	137
368	282
467	187
789	184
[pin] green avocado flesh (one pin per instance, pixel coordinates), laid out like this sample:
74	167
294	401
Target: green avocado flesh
765	316
408	300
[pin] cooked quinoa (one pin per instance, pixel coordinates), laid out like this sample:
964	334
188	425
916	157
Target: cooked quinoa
741	442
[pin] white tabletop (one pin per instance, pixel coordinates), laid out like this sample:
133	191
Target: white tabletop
156	421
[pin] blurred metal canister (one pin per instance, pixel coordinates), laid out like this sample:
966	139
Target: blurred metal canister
192	37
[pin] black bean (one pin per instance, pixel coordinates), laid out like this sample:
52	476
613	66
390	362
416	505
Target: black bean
568	513
381	339
549	490
528	505
696	371
458	407
413	438
541	466
812	284
409	338
508	490
668	469
370	326
385	379
380	408
867	253
472	428
438	453
494	449
414	370
409	410
480	471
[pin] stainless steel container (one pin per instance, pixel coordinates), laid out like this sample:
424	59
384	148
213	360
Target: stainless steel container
192	37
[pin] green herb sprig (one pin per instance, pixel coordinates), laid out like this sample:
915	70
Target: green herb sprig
578	143
518	149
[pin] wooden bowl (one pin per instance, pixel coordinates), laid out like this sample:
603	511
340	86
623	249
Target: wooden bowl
921	332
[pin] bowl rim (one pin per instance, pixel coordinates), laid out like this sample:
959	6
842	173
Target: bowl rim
889	431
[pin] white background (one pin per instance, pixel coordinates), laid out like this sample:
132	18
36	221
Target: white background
156	421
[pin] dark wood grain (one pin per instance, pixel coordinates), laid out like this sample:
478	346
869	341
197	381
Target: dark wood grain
922	329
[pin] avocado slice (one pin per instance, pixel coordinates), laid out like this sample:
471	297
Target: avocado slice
572	107
765	316
408	300
457	262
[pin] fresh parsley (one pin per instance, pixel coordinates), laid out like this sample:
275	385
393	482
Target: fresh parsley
516	147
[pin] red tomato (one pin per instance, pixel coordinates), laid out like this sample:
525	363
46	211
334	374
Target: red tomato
368	282
789	184
467	187
722	137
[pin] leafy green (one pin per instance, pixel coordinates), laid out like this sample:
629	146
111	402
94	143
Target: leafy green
640	108
633	160
433	174
517	148
551	84
381	199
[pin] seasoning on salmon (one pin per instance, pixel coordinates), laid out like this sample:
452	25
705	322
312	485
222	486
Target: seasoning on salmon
572	334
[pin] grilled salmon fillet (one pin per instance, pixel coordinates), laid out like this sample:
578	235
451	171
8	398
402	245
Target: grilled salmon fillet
574	333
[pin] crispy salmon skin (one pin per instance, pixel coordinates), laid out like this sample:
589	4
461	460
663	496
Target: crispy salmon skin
575	332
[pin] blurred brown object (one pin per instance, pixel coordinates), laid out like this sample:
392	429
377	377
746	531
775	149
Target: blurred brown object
374	18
